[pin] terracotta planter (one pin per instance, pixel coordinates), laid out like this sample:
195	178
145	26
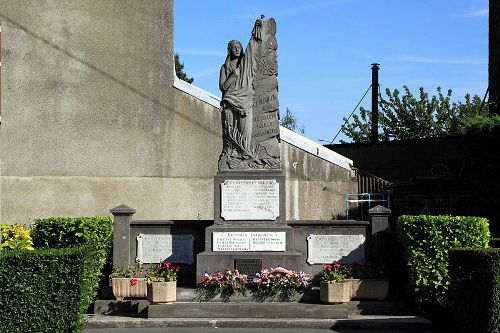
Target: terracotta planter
122	288
369	288
339	292
162	292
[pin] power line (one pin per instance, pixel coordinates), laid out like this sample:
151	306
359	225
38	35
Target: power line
354	110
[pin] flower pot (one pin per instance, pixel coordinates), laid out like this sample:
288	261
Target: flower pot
369	288
338	292
122	287
162	292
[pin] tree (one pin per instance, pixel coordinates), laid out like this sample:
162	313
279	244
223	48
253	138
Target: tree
290	121
407	117
179	70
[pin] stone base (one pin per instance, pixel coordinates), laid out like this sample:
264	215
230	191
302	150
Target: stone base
214	261
211	261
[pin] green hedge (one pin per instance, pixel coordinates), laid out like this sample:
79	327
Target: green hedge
475	289
61	232
46	290
495	242
426	241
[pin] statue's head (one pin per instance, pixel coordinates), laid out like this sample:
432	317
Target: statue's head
234	48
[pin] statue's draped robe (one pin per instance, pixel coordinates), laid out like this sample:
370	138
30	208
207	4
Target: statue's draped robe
239	96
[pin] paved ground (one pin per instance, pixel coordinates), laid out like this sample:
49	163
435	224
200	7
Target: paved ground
235	330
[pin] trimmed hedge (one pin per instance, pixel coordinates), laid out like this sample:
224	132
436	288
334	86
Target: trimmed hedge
495	242
62	232
426	241
59	232
47	290
475	289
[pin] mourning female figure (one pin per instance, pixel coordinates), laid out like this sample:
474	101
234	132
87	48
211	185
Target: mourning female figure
236	83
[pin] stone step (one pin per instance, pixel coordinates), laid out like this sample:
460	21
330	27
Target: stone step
248	310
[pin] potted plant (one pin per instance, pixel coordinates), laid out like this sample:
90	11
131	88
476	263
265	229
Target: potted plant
226	283
128	281
334	288
279	282
162	282
368	283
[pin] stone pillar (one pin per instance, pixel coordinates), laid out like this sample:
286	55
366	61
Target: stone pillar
379	219
378	241
121	235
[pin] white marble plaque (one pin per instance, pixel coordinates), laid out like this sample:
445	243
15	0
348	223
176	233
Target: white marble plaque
325	249
250	200
174	248
249	241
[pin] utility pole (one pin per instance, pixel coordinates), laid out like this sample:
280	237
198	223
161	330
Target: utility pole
374	134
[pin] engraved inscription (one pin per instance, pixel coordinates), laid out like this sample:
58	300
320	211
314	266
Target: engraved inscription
248	266
249	200
325	249
174	248
249	241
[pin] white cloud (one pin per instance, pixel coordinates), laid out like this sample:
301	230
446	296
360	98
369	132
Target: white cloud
434	60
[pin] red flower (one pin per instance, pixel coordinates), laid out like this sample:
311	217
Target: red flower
336	265
133	282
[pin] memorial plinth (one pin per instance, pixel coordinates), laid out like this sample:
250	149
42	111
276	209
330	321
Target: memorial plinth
250	232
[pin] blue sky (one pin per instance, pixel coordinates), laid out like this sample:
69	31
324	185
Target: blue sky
325	48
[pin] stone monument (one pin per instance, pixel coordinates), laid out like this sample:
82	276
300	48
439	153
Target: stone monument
250	230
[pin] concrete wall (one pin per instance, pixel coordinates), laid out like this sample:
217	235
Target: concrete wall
91	119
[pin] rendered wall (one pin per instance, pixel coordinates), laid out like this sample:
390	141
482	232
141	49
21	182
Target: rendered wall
90	120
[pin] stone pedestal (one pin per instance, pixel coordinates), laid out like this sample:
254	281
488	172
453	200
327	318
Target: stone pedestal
250	231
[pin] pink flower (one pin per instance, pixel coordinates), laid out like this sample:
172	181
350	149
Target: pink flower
336	265
133	282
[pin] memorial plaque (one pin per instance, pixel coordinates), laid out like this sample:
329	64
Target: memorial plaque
174	248
249	241
248	266
250	200
325	249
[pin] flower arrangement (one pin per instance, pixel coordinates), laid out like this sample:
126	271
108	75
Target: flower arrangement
335	272
226	283
162	272
131	272
279	282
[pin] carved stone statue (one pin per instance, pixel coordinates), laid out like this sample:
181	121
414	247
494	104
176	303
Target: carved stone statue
249	106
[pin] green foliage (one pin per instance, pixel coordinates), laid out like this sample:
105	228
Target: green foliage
59	232
128	271
290	121
495	242
179	70
426	241
15	237
335	272
46	290
403	117
162	272
475	289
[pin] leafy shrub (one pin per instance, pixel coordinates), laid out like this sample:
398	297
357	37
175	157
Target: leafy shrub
46	290
475	289
61	232
15	237
495	242
426	241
